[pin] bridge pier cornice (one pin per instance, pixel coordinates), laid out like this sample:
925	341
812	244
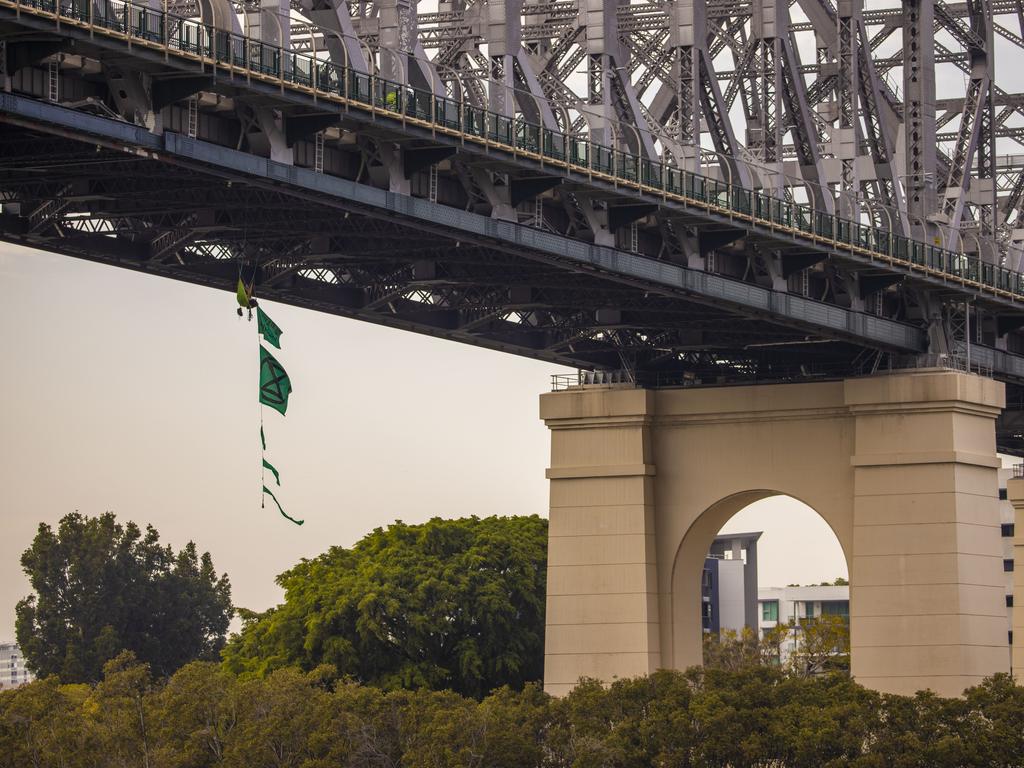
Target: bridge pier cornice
902	466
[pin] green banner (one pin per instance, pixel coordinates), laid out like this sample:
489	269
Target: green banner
269	330
275	386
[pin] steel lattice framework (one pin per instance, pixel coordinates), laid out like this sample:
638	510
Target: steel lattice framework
888	116
796	95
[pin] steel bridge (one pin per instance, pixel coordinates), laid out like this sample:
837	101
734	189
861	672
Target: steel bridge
671	192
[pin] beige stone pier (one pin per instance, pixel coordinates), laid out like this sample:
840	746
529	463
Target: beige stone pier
902	466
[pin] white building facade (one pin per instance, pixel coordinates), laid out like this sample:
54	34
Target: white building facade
13	671
780	605
1006	519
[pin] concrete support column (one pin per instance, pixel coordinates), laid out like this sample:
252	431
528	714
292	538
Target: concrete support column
602	602
1015	493
926	603
902	466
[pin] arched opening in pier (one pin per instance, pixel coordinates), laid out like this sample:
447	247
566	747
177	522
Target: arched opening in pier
754	576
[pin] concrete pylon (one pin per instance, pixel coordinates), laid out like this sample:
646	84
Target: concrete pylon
902	466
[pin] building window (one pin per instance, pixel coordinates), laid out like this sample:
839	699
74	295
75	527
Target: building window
1007	530
705	580
1002	494
706	610
770	610
1008	565
835	608
1009	601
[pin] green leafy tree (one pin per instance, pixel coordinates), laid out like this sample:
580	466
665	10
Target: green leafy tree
997	727
278	716
634	723
823	644
733	650
517	726
119	712
101	588
41	724
195	716
453	604
756	717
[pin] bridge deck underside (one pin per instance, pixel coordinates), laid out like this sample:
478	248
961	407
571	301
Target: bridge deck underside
189	221
337	256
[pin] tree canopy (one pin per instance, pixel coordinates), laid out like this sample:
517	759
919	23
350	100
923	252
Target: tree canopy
822	645
101	587
204	717
450	604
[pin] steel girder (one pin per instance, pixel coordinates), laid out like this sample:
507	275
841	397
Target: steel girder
800	99
399	271
646	75
619	70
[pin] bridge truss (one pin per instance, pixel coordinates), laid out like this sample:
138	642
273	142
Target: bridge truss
501	173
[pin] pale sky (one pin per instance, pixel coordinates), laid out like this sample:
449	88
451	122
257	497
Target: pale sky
136	394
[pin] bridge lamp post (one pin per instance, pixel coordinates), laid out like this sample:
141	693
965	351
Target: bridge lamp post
280	32
370	64
456	76
612	123
492	83
728	169
872	206
540	115
514	91
960	235
402	67
978	242
801	181
912	217
347	60
786	177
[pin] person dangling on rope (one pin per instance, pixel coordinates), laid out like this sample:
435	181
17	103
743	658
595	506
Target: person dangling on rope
245	298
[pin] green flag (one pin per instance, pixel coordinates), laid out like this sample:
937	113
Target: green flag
268	465
268	328
263	440
275	386
279	509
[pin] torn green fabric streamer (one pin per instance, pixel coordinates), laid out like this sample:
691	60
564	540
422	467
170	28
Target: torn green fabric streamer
269	330
275	386
279	509
263	439
268	465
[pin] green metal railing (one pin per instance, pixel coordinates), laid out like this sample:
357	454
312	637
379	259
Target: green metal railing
194	38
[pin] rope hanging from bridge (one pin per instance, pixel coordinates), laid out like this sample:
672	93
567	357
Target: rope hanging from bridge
275	385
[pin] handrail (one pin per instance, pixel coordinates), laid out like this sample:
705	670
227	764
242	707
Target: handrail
173	34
